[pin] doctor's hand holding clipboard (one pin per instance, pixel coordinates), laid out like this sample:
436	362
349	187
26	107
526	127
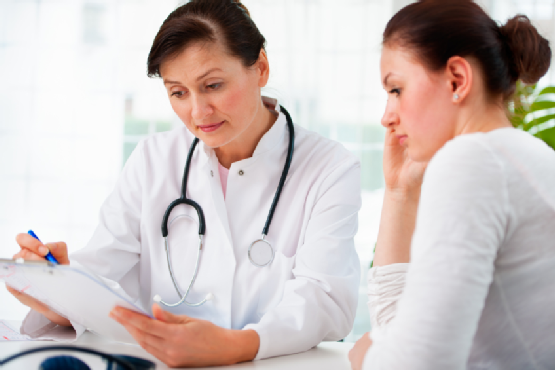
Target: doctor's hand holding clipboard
235	230
32	249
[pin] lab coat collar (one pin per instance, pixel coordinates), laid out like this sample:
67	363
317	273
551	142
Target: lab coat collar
274	136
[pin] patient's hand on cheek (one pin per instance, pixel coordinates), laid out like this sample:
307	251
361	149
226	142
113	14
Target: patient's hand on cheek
402	175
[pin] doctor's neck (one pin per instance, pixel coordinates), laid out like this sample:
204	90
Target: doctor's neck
244	145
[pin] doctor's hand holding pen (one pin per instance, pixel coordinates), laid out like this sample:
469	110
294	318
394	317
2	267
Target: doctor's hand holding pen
32	249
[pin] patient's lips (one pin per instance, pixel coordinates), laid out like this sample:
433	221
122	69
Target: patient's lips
402	139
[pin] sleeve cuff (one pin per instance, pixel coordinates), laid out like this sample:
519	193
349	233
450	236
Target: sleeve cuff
385	287
263	348
38	326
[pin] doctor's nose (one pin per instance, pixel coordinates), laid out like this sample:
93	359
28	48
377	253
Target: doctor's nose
201	108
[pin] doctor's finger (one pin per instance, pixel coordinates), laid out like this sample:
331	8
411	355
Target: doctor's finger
139	321
168	317
145	339
26	241
165	350
27	255
59	251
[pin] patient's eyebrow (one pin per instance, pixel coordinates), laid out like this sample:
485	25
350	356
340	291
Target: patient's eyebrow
385	79
171	82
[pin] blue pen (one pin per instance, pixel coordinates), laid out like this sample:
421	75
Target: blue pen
49	256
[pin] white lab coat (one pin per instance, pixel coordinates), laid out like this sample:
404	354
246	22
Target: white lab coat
309	292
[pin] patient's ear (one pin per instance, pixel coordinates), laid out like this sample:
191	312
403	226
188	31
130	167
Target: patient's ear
460	78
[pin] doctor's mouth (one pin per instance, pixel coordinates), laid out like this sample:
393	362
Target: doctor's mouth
211	127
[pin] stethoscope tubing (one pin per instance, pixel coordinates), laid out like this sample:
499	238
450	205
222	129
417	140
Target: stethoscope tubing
183	199
284	172
183	297
202	223
90	351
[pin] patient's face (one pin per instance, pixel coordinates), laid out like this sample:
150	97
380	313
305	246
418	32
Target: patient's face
419	108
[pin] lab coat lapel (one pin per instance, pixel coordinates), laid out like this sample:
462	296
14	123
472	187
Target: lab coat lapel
217	196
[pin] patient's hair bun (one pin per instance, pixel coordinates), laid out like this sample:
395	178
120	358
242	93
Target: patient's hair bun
529	53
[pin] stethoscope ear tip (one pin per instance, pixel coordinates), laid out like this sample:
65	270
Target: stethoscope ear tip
209	297
157	298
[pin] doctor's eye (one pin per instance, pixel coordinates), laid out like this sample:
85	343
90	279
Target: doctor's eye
178	94
214	86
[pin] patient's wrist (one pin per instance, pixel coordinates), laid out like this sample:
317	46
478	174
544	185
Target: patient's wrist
403	195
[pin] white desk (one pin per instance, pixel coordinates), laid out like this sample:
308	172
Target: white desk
328	355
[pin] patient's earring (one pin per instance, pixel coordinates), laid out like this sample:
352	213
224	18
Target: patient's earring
456	96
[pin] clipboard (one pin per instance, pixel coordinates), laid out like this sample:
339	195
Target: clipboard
72	292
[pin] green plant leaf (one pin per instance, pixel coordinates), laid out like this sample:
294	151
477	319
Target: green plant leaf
541	105
548	136
547	90
538	121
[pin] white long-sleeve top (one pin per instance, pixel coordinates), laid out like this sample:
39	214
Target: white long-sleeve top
309	292
479	292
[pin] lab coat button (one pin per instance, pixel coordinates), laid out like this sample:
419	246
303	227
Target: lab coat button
212	173
241	173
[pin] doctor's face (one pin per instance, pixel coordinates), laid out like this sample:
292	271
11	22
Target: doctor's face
419	104
213	93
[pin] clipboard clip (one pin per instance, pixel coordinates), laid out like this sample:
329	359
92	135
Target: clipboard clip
48	266
21	261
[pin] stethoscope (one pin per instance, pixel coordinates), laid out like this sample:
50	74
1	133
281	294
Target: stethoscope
64	362
261	252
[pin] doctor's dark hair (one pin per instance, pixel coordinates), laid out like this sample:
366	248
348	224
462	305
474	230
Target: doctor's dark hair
436	30
227	21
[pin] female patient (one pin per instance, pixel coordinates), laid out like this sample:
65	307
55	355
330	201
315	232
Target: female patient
479	291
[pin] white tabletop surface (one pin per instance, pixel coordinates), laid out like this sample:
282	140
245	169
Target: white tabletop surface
327	355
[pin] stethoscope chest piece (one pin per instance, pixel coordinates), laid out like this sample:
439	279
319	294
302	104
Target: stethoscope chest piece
261	253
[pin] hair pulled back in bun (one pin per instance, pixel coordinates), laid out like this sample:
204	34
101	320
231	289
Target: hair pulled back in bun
530	54
436	30
226	21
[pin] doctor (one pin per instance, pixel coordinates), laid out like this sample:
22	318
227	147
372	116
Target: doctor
248	301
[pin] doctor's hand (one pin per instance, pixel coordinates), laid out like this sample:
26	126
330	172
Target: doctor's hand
179	340
358	352
402	174
34	250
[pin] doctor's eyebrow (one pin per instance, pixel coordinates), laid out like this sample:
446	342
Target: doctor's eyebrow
166	82
207	73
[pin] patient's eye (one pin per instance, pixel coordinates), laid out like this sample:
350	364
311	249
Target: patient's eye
395	91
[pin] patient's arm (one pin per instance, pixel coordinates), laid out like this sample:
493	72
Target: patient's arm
403	180
386	280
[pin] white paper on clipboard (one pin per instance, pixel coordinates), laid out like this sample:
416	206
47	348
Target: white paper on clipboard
73	292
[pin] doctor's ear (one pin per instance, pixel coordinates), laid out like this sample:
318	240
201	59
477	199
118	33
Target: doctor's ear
263	68
460	77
